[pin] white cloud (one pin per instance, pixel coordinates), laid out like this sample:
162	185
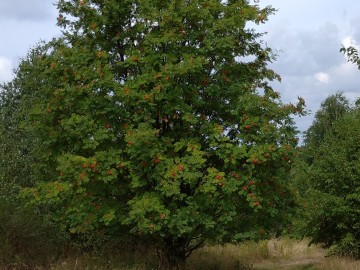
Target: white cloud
349	41
6	67
322	77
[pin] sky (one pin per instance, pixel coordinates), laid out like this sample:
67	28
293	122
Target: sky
307	36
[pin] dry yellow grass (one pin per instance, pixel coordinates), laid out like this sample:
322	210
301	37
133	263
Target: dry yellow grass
275	254
283	253
335	263
289	254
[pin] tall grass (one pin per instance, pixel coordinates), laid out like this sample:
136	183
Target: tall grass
336	263
275	254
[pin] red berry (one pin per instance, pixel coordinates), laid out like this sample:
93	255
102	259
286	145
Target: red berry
92	166
204	83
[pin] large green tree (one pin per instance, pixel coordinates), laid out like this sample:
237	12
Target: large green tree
157	119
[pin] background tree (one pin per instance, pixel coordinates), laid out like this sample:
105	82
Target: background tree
333	108
19	144
327	177
334	174
27	239
154	122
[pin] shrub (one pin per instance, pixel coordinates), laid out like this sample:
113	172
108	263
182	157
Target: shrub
26	240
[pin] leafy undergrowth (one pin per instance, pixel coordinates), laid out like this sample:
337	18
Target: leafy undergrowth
265	255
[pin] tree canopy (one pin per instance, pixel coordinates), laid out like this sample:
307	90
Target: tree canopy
329	180
157	119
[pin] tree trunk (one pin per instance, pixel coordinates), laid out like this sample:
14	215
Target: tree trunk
172	255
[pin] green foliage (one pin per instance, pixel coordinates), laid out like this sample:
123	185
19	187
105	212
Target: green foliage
155	121
16	144
333	108
20	146
26	240
332	190
352	54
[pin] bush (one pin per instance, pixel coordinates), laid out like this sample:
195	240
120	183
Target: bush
26	240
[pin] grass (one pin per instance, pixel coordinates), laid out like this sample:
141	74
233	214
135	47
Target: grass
335	263
289	254
274	254
229	256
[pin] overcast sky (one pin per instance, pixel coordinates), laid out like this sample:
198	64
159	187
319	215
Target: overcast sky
307	35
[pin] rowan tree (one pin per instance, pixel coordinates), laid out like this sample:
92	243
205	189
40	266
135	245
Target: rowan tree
158	120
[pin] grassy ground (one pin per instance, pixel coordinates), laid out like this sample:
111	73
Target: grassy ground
266	255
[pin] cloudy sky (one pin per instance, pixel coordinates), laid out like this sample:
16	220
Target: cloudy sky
307	35
22	24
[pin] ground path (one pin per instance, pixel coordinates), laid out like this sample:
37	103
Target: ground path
290	264
292	256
